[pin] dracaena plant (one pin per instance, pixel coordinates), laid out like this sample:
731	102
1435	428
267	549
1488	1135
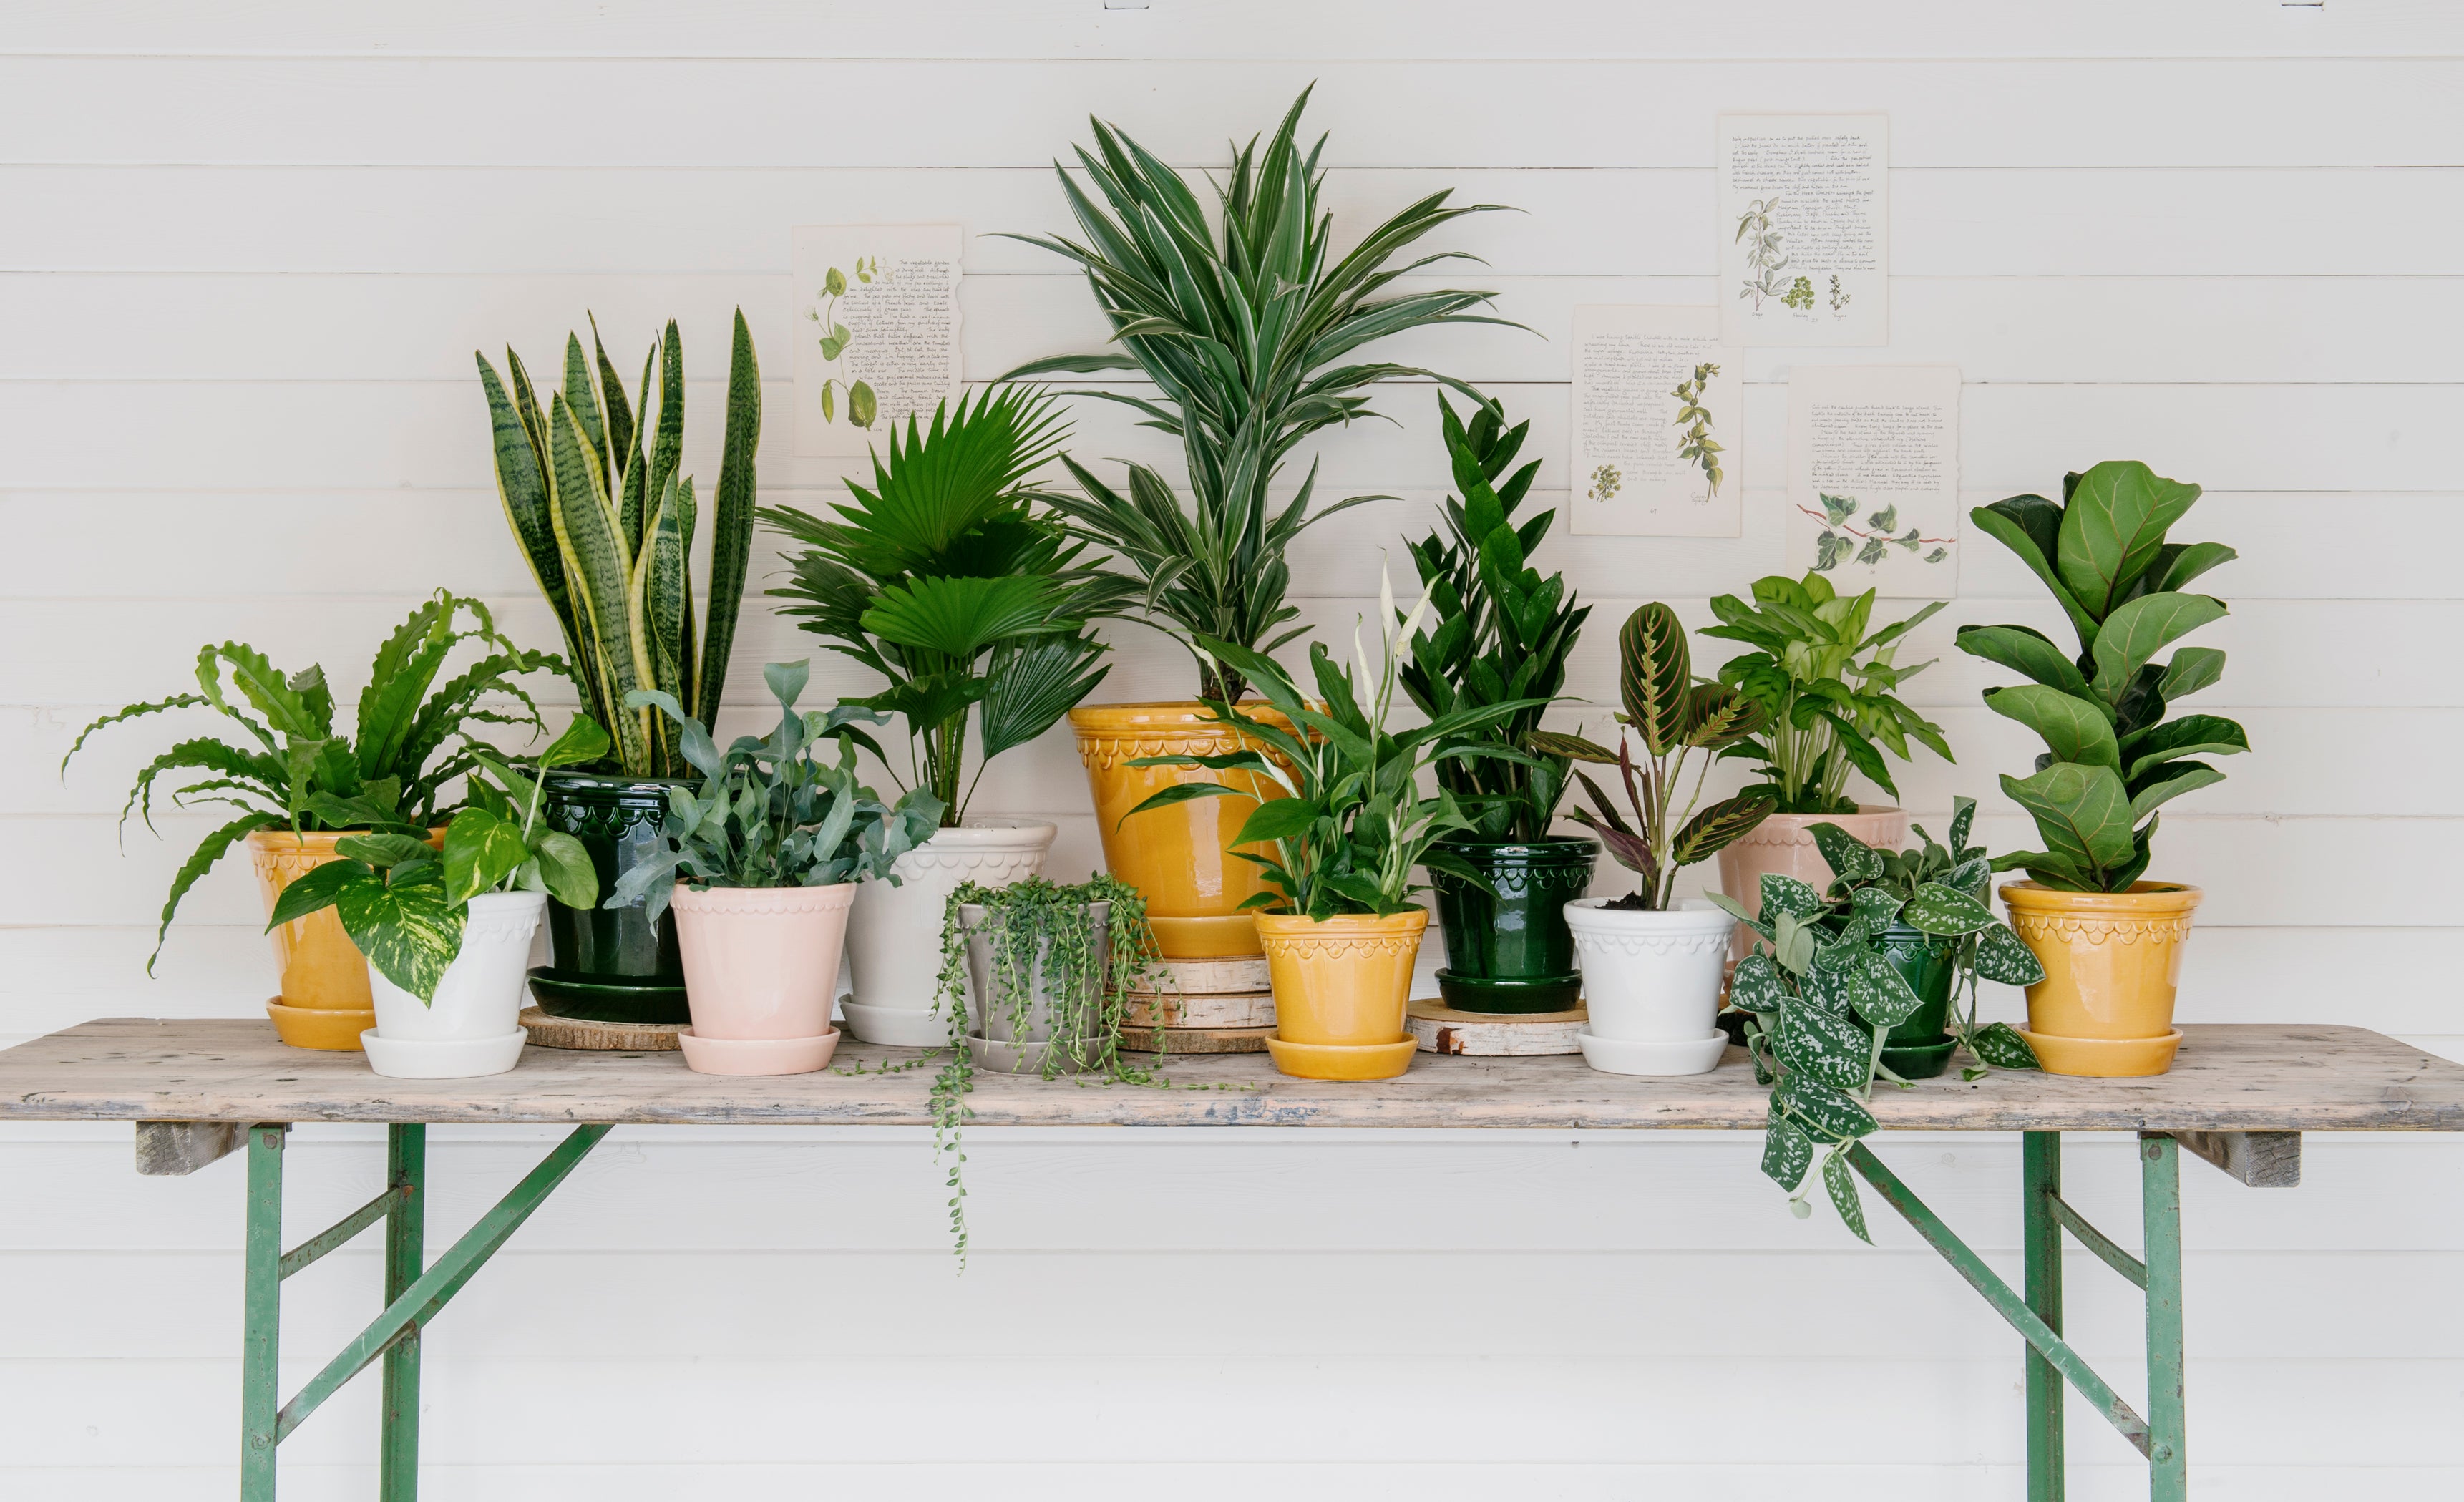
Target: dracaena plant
1678	719
942	579
1826	687
2111	756
1819	997
1498	630
295	766
1250	328
1352	822
770	812
592	486
404	903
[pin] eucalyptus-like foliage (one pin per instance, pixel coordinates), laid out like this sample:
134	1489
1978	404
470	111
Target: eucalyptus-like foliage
1826	689
2112	757
592	488
944	579
1497	630
770	812
1249	327
295	766
1675	718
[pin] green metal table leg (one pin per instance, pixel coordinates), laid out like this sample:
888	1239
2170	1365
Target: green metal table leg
406	1238
2041	1240
2160	1171
261	1339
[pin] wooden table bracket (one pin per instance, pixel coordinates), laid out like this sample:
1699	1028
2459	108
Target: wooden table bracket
2260	1160
167	1149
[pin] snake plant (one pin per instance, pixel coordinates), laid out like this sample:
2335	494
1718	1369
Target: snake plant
386	774
1248	328
591	487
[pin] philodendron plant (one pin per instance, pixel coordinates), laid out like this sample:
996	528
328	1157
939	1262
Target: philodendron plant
1819	997
769	812
2112	757
1675	718
404	903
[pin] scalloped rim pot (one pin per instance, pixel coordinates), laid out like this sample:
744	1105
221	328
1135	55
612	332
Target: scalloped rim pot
2112	963
894	934
1651	976
472	1026
1784	844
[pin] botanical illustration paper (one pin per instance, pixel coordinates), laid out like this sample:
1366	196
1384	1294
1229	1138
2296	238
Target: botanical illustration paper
1659	422
876	329
1805	228
1873	478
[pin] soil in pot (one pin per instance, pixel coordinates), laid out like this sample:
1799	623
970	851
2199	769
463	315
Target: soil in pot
1509	950
2112	963
1341	985
610	964
1920	1048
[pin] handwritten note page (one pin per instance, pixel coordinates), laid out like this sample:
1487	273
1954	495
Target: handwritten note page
1873	484
1805	228
876	330
1659	424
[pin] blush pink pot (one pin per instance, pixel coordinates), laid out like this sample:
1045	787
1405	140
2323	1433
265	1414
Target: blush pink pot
759	961
1784	844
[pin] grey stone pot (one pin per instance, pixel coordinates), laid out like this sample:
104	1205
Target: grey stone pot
1019	1045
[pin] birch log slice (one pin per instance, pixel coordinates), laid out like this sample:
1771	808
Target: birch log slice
608	1037
1235	1009
1194	1040
1208	977
1442	1030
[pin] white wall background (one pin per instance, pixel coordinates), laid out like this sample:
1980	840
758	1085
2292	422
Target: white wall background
248	249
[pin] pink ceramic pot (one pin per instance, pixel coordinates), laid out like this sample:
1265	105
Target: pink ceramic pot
1783	844
759	961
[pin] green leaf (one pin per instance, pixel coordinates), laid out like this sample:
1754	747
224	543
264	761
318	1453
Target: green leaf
1717	827
2030	526
565	869
2001	1045
2175	739
317	889
1879	993
1276	819
408	931
1032	683
2074	729
2002	956
834	282
2139	629
1829	1114
2192	668
2168	780
1842	1188
1655	674
385	849
964	618
2081	812
201	860
861	407
2113	525
1787	894
1849	858
730	531
2026	652
1755	986
480	850
1787	1152
1945	911
580	743
1829	1048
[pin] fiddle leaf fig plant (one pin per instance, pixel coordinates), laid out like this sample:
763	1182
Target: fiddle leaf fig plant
2111	756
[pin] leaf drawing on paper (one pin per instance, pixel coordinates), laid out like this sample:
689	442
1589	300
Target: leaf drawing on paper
835	336
1841	540
1839	299
1605	481
1800	295
1765	260
1696	445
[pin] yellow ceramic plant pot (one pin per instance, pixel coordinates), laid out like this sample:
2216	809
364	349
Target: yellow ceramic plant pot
1180	856
2112	960
324	1001
1341	984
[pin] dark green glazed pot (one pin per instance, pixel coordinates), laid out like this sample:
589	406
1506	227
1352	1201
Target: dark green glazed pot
1512	951
1920	1046
616	964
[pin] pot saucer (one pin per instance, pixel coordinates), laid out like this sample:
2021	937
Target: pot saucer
1919	1060
1638	1057
902	1026
650	1002
324	1028
756	1055
456	1058
1508	996
995	1057
1342	1061
2103	1058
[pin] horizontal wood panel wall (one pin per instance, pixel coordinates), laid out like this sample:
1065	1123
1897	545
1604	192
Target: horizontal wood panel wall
247	253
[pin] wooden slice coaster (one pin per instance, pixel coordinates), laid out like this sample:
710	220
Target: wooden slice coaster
1240	1009
1442	1030
1210	977
1194	1040
607	1037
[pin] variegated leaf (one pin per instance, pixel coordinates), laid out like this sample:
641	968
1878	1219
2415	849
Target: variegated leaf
1787	1152
1945	910
1756	986
1829	1048
1787	894
1828	1114
1880	994
1849	858
2002	955
2001	1045
1842	1188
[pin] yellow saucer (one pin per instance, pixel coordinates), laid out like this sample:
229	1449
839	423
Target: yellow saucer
320	1028
1341	1061
2103	1058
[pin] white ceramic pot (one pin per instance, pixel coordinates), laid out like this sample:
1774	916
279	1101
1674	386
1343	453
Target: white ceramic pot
894	934
472	1027
1651	983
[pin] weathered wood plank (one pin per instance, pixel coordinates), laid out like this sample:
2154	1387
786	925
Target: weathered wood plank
168	1149
2260	1160
2242	1077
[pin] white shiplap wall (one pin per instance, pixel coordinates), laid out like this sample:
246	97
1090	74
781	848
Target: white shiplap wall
248	249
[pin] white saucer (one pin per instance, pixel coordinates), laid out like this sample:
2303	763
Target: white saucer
899	1026
1633	1056
461	1058
1019	1058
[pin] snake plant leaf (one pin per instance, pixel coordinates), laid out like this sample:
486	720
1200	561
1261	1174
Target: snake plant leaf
1787	1152
2173	739
595	559
521	487
1034	683
1849	858
1755	986
2002	956
1945	912
2074	729
2192	668
1825	1114
2113	523
658	606
408	930
1841	1186
2031	527
731	547
1825	1045
2083	812
2001	1045
2139	629
1658	673
581	396
2167	781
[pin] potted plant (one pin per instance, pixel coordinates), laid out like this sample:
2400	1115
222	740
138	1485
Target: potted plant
2110	941
1498	630
1252	329
760	865
943	580
1826	989
1651	969
1827	689
302	782
593	489
447	935
1339	842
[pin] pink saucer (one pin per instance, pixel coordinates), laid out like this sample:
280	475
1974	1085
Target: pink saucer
756	1055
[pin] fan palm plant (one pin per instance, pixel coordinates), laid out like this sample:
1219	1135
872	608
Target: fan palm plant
944	579
1247	328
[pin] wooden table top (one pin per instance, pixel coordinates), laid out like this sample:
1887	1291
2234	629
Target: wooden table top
2242	1077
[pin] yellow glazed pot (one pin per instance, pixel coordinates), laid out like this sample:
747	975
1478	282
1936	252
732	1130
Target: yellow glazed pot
324	1001
1180	856
1341	984
2112	960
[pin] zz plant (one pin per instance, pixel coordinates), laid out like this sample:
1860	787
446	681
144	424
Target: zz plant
2111	756
292	765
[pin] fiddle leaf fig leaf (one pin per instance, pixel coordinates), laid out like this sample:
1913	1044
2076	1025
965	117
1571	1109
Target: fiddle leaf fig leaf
2074	729
2140	629
2083	812
2192	668
2113	525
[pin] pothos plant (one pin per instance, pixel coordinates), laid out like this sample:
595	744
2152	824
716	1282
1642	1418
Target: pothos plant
1046	942
1819	997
